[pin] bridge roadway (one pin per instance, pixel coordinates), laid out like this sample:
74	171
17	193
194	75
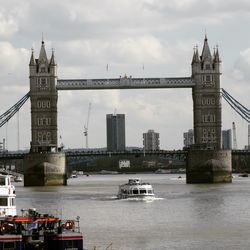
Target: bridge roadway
125	83
74	154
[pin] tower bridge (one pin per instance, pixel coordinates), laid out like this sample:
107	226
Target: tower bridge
207	162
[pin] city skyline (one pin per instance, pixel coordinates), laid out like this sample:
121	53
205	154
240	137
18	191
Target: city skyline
153	39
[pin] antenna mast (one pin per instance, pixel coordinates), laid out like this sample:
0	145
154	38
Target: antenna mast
86	126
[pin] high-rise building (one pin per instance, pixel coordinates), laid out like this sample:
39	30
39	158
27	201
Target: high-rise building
151	140
188	138
227	139
115	132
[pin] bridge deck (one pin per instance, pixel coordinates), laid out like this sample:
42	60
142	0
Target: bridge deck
11	156
125	83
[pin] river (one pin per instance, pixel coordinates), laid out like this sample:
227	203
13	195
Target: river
183	216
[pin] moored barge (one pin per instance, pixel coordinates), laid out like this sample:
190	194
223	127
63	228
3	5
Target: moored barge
33	230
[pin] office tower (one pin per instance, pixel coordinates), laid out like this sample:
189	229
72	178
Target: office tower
151	140
115	132
227	139
188	138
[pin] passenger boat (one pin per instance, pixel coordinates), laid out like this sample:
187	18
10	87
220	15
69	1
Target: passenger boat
33	230
135	189
18	179
7	197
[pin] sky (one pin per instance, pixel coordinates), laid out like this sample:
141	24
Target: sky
125	34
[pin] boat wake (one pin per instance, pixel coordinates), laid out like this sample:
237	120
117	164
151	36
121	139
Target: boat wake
144	199
178	178
112	198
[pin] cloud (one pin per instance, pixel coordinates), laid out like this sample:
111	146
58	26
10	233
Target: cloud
12	58
8	26
241	66
126	34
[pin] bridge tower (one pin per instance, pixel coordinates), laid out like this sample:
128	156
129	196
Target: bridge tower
43	96
206	161
44	165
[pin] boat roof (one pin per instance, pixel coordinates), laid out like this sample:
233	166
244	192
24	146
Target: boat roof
26	219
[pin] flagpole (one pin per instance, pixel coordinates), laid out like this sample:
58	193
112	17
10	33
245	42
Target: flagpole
107	68
143	73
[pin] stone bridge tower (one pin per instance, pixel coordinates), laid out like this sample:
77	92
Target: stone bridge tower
43	96
206	161
206	98
44	165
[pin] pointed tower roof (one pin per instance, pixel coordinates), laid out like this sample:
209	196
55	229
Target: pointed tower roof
42	55
206	54
32	60
52	59
216	55
196	58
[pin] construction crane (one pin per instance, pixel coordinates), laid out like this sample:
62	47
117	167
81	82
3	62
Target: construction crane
234	137
86	127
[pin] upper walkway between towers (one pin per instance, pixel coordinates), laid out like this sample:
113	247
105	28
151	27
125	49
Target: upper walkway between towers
125	83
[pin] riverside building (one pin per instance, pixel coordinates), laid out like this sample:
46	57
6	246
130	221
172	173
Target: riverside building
151	140
227	139
188	138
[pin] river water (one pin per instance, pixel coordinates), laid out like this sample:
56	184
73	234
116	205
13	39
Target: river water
183	216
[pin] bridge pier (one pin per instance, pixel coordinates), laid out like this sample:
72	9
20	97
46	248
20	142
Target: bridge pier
209	166
45	169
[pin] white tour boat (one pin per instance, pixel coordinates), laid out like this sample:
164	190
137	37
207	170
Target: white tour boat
7	197
18	179
135	189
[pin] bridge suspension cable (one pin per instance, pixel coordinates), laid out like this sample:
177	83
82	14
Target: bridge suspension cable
238	107
6	116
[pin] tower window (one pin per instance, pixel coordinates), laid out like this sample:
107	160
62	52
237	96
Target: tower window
43	121
43	83
208	118
208	101
43	104
207	66
208	78
44	137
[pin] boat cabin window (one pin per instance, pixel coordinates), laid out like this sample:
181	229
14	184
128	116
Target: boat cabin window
143	191
3	202
124	191
9	245
12	202
135	191
71	244
150	191
2	181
